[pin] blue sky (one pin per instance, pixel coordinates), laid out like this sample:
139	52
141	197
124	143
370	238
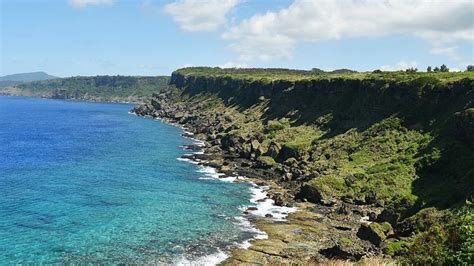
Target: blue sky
146	37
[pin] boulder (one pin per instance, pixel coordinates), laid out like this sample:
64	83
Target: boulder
343	251
292	162
265	162
273	150
282	200
254	144
375	233
228	141
245	151
288	152
388	215
309	193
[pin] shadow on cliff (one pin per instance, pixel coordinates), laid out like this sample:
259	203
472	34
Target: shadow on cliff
445	168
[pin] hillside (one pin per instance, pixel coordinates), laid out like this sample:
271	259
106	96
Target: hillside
98	88
32	76
14	79
387	157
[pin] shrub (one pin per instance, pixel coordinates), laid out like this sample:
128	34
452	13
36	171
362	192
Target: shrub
274	125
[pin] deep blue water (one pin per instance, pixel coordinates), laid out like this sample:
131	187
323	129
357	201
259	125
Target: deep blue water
88	182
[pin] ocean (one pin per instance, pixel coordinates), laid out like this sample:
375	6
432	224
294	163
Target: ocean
90	183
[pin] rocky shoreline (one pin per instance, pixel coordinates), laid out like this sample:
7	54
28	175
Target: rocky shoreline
12	92
316	232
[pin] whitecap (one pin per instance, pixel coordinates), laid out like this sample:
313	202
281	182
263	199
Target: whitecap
266	206
212	259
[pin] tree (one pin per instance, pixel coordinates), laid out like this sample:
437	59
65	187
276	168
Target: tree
411	70
444	68
470	68
428	69
436	69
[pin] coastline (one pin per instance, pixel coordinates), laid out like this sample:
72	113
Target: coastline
119	100
260	210
314	233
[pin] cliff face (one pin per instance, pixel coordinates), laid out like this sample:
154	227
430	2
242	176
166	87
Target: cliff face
352	99
398	145
97	88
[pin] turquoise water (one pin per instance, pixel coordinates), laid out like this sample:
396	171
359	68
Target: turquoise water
90	183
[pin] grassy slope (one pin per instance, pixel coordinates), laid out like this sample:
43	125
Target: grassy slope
294	75
104	88
388	138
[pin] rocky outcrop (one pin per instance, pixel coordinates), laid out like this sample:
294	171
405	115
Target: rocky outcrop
465	125
354	225
375	233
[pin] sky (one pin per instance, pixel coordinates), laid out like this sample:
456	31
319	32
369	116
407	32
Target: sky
154	37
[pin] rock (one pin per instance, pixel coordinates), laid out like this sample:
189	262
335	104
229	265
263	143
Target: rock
343	252
273	150
260	151
211	137
287	152
246	151
225	168
344	209
228	141
311	194
375	233
287	177
347	199
388	215
265	162
213	149
252	208
281	199
372	216
179	115
292	162
192	147
421	221
254	144
465	125
269	215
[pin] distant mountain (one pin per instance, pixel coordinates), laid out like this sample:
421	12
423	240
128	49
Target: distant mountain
32	76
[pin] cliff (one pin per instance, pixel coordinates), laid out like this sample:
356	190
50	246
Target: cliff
394	147
97	88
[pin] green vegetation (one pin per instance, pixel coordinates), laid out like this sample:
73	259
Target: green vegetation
293	75
449	242
346	241
99	88
399	140
266	160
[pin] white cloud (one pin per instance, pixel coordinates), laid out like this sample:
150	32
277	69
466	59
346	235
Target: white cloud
84	3
232	64
402	65
195	15
450	52
274	34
